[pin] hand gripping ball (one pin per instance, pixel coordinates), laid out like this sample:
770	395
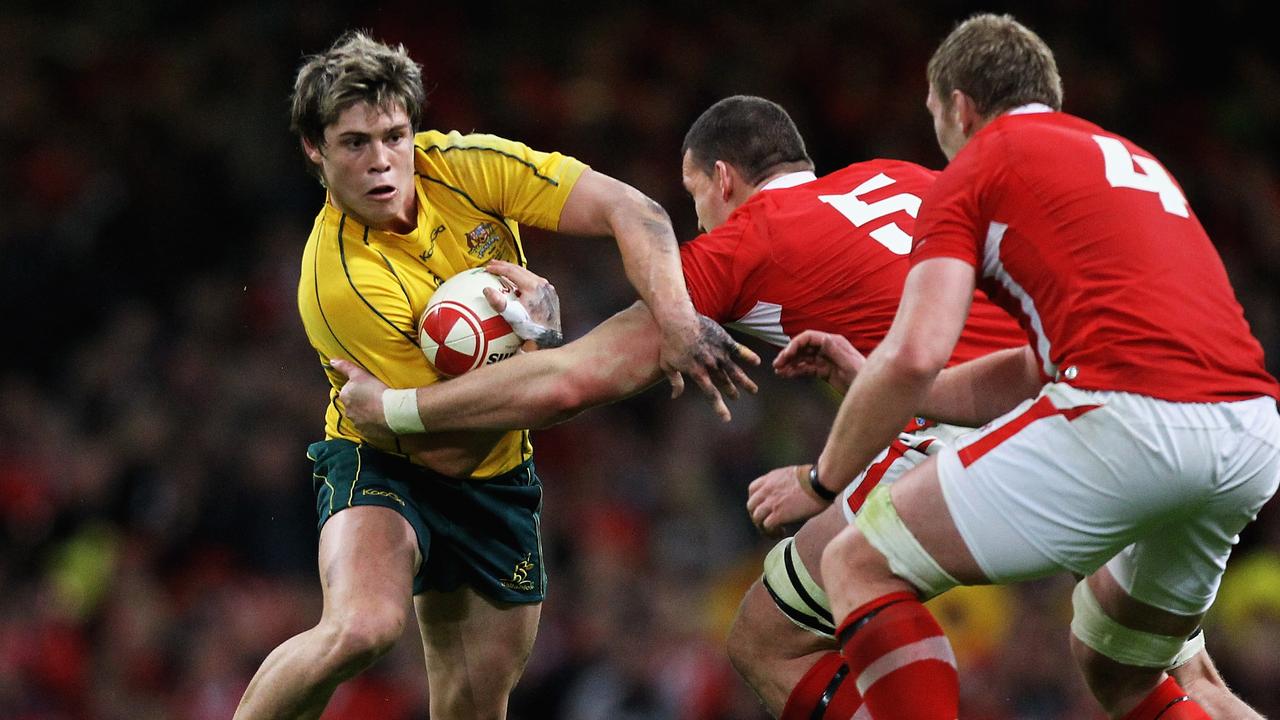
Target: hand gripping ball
460	331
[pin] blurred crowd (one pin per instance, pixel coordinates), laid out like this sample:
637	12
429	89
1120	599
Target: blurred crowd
157	531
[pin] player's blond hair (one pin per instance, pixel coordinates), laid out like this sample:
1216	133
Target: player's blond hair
999	63
356	68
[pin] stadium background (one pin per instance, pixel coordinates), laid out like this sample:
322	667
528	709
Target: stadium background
156	393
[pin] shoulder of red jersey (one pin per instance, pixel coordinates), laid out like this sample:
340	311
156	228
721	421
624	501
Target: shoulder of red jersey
950	216
900	170
715	262
1019	128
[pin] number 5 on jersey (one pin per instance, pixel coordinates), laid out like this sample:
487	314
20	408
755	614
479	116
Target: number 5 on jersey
1123	172
860	212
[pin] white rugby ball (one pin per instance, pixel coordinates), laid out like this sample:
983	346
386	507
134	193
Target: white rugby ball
460	331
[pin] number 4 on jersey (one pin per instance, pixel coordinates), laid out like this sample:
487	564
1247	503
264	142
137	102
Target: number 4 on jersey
860	213
1122	173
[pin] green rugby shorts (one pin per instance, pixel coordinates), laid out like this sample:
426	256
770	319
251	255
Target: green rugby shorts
481	533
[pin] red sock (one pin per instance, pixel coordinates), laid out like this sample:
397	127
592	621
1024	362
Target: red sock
1168	702
826	692
900	660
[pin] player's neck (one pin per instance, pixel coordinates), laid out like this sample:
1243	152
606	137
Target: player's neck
801	171
403	222
406	221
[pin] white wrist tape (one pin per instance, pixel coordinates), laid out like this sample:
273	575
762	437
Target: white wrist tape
518	318
400	408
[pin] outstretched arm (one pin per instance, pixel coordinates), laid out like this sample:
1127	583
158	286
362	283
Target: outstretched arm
890	387
968	395
898	375
601	205
976	392
615	360
824	355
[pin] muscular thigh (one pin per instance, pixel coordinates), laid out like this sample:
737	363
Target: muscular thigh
793	575
474	646
790	590
814	535
367	556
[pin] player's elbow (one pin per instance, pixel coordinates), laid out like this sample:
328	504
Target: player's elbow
634	207
564	400
917	362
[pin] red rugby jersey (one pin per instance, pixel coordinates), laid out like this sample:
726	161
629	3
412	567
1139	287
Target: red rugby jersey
1090	243
830	254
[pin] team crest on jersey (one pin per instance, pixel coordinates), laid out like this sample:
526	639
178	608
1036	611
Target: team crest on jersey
520	576
482	239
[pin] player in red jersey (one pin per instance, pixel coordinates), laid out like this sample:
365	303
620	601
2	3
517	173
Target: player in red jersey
769	222
1130	443
767	218
787	251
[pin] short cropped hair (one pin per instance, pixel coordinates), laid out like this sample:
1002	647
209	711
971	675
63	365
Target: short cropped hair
999	63
754	135
354	69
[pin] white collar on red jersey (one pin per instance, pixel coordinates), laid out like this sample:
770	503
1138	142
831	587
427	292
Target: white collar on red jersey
790	180
1030	108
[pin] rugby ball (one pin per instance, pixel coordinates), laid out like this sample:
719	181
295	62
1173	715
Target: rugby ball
460	331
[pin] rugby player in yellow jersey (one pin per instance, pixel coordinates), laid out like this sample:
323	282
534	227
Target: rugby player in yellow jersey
450	520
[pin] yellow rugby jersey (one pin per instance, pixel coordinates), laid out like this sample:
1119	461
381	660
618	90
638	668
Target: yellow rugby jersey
362	290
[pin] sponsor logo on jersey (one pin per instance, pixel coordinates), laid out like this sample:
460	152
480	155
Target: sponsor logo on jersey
482	239
435	233
382	493
520	576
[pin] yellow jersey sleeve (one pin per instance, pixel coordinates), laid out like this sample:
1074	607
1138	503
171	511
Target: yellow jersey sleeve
501	176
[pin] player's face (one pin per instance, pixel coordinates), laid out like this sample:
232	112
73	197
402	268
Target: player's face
946	125
367	164
708	202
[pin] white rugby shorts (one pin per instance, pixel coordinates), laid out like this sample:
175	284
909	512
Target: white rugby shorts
904	453
1073	479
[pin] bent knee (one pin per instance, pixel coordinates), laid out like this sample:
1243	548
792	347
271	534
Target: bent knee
750	652
1111	683
846	550
359	637
741	644
762	637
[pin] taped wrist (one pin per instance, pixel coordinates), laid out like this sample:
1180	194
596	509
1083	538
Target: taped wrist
400	409
518	318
